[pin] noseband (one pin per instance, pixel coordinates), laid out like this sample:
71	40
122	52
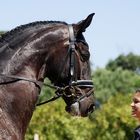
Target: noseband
59	91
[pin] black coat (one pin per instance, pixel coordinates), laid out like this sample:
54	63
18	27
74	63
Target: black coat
137	133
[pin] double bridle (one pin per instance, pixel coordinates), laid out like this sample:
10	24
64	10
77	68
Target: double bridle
59	91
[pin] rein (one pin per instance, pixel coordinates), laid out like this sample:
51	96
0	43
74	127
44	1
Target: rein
60	91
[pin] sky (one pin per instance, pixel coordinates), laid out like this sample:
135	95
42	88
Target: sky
115	28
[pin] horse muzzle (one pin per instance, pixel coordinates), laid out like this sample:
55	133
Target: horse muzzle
81	108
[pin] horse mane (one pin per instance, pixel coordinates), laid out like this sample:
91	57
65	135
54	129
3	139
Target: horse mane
12	40
7	37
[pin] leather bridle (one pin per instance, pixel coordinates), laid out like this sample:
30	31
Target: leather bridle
59	91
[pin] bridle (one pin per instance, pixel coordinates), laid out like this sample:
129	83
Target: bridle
59	91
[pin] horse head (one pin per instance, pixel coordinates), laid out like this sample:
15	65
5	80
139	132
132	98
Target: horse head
67	65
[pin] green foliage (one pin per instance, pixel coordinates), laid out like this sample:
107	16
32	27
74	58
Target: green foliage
51	122
129	62
108	83
46	92
113	121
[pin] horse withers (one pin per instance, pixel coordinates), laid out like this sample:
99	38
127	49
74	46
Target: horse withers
31	52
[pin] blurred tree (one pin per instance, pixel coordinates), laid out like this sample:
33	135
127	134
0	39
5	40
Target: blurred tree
51	122
113	121
46	92
126	62
108	83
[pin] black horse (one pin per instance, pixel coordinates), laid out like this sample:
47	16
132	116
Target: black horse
31	52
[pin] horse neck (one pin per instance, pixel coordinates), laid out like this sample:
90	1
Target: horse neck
17	102
22	48
17	49
15	61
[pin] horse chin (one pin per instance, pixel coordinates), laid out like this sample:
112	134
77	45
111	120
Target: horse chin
74	110
81	109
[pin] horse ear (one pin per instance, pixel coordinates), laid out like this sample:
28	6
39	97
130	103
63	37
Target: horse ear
82	25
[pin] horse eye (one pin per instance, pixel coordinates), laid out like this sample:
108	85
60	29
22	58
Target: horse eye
83	51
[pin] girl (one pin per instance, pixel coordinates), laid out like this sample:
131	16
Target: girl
136	112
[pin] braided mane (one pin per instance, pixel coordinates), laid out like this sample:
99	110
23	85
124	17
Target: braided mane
8	35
